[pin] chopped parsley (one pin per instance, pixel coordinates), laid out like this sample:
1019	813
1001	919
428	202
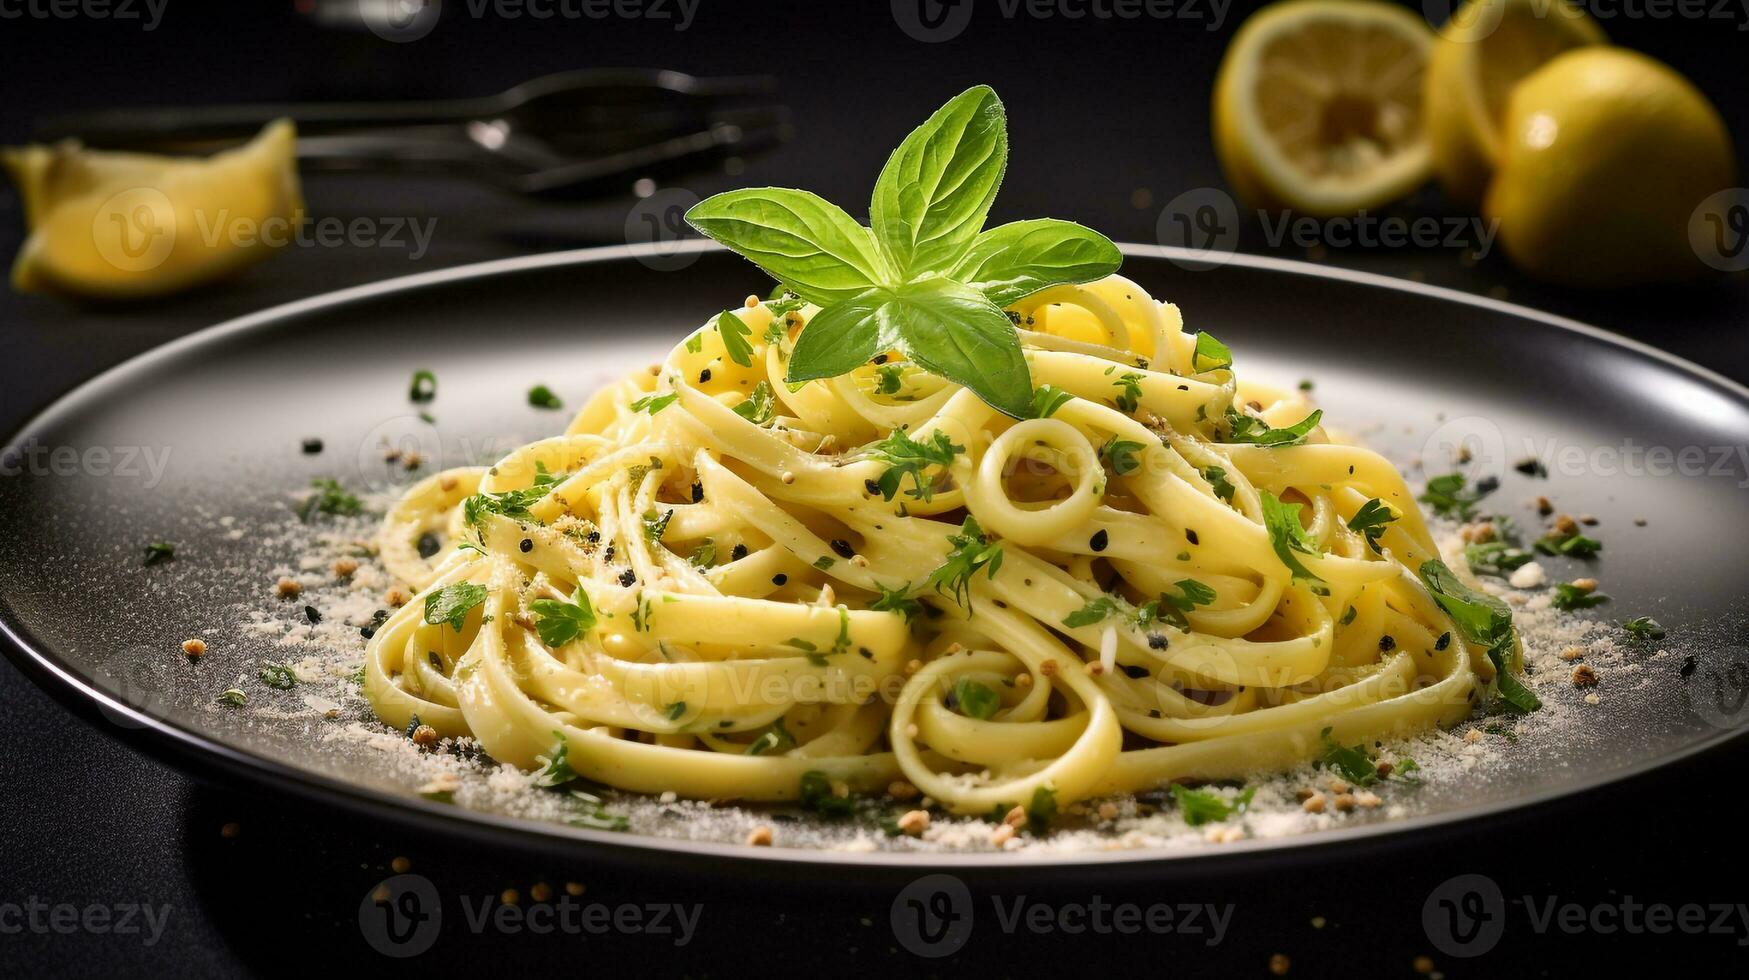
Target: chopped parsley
277	676
758	408
1042	811
890	378
330	498
452	603
675	711
1046	399
1217	480
656	525
1370	520
1121	455
559	622
776	738
1568	597
1351	762
234	697
1643	629
555	768
540	396
706	554
1496	558
817	795
1199	806
1249	429
897	601
1290	540
1131	394
906	456
1482	619
1571	545
972	551
159	551
1448	496
655	403
513	504
424	387
976	700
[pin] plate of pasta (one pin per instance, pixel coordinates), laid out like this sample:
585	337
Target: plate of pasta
914	541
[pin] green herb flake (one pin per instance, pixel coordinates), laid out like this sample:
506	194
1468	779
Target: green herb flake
905	456
424	387
654	403
1199	806
452	603
559	622
159	551
1211	354
540	396
972	551
976	700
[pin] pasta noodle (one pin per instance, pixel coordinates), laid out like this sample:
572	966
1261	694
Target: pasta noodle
716	585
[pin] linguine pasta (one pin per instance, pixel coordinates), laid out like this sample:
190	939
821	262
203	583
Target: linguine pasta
722	585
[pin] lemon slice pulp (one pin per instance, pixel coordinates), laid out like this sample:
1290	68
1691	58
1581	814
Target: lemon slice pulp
1318	106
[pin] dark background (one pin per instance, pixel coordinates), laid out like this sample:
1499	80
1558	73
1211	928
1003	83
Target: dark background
1109	121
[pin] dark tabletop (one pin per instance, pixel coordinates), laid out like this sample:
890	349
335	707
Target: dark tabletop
1110	123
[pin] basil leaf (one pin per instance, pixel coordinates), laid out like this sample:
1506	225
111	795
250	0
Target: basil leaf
946	328
798	238
1481	618
1211	354
1011	262
935	191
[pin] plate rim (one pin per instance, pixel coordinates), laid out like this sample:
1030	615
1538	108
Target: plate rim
191	749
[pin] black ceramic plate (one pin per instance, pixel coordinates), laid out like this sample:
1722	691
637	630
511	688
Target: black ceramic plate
199	443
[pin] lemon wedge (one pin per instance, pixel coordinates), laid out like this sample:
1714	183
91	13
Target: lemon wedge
1317	106
129	225
1606	156
1483	51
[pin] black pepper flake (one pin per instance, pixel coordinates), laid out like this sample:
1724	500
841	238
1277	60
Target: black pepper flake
312	446
1190	535
1154	713
866	653
779	579
1099	540
843	548
436	661
738	552
429	545
1133	672
1387	643
608	554
593	537
1156	641
527	545
704	376
377	619
1687	666
880	358
873	488
697	492
628	578
312	615
1443	641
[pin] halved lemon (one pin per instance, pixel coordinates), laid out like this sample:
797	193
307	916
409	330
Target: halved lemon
1317	106
1483	51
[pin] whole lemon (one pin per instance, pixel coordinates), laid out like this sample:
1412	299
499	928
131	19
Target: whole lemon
1605	156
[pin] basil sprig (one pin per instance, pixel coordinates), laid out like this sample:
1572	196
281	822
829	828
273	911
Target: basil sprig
925	279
